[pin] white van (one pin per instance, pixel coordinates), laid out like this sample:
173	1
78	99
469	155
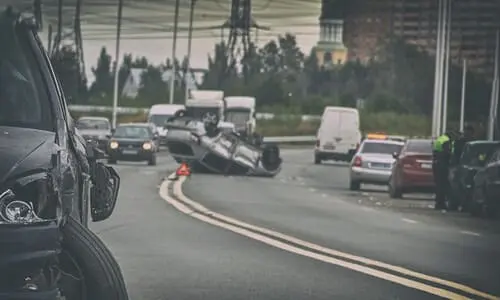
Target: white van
339	134
240	110
159	114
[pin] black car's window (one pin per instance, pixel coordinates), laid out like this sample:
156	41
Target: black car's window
24	101
83	124
477	155
424	146
132	132
380	148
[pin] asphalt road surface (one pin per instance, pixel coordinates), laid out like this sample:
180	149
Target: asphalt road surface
335	245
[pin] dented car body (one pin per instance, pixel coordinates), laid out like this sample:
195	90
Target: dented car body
211	148
50	181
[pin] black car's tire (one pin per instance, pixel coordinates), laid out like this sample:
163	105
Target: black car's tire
152	160
103	277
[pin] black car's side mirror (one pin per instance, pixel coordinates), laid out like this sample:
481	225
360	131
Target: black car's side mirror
395	155
104	191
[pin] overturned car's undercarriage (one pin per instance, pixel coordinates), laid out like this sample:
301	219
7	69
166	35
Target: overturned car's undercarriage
207	147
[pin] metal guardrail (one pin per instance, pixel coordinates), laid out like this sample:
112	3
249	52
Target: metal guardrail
135	110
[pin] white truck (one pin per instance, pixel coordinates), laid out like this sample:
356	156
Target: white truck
208	103
240	110
159	114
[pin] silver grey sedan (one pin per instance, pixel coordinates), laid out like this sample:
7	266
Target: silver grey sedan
372	163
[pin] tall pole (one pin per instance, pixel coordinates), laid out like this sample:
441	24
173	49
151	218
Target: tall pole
462	102
447	65
190	40
174	48
437	73
117	57
494	92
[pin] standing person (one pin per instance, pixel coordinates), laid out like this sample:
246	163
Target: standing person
459	145
441	159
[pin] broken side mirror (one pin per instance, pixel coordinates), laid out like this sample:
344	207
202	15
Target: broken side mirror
104	191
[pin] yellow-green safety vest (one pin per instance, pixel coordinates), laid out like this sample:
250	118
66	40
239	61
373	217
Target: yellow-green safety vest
438	143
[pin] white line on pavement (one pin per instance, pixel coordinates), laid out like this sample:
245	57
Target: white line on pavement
470	233
409	221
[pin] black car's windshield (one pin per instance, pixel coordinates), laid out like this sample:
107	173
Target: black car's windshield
476	155
423	146
133	132
84	124
380	148
159	120
24	100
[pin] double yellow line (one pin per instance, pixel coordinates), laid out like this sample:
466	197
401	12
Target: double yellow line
442	288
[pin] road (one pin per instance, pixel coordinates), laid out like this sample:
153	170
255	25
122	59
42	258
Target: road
167	254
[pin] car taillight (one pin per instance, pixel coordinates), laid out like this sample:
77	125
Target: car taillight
357	161
318	143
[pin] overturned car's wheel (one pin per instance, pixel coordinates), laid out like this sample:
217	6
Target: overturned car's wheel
271	159
102	277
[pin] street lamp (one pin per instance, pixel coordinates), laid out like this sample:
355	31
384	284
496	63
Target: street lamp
116	66
174	48
190	39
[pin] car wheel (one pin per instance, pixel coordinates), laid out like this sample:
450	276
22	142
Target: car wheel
354	185
317	160
152	160
394	191
102	275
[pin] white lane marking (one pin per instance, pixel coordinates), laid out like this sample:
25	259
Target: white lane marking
409	221
367	209
470	233
179	205
312	190
270	234
324	195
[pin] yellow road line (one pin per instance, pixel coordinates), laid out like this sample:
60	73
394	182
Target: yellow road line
177	190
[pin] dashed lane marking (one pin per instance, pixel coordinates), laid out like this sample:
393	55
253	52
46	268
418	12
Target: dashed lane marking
470	233
317	252
409	221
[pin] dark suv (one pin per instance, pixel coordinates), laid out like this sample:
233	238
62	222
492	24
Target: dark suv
49	180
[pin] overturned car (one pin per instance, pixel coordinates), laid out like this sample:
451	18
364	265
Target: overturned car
209	146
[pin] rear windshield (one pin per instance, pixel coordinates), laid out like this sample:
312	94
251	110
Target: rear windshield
380	148
477	155
424	147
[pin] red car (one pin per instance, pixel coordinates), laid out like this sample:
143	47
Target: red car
412	171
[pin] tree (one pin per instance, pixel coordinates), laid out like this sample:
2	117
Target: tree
102	87
153	88
66	65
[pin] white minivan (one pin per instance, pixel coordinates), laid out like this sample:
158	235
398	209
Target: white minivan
339	134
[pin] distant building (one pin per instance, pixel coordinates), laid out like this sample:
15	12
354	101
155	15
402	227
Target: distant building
330	49
474	24
133	82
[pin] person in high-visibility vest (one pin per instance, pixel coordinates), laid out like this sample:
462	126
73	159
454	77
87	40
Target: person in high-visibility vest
442	154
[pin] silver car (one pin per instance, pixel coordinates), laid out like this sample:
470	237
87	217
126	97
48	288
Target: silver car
218	148
373	162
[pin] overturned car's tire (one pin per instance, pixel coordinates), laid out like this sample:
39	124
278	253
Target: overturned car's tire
271	160
102	275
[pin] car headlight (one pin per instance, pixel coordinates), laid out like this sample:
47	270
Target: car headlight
147	146
113	145
29	200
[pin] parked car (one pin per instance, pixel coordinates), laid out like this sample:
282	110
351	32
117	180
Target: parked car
373	162
486	190
412	171
473	159
133	142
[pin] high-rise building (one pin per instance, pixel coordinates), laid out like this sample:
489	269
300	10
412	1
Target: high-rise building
474	24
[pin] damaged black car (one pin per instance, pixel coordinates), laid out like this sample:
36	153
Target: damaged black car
51	182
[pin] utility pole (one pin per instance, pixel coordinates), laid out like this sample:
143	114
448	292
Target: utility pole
437	72
117	59
494	93
190	40
174	48
462	102
447	66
